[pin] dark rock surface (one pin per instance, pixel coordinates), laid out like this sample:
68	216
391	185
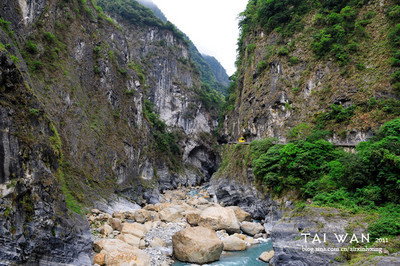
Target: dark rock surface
35	225
74	127
271	100
291	247
235	192
94	87
381	261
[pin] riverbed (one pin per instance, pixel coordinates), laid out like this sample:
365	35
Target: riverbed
147	232
249	257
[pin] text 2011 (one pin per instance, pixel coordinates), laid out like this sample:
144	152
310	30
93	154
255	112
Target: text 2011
382	240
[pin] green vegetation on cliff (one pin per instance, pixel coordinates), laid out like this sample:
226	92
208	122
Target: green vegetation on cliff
132	11
208	78
366	180
137	14
337	29
314	166
166	143
333	64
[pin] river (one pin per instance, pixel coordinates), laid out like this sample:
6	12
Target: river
240	258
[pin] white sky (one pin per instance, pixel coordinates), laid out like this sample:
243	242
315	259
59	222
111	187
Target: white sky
212	25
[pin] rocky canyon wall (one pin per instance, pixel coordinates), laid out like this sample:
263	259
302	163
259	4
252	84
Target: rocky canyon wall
92	105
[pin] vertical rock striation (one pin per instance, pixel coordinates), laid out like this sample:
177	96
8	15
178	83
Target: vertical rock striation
35	225
91	106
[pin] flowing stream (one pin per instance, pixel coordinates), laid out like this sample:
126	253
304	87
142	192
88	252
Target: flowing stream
240	258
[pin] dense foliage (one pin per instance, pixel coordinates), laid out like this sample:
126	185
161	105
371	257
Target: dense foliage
394	39
210	98
166	143
218	70
137	14
154	8
132	11
206	73
230	98
336	24
368	179
313	164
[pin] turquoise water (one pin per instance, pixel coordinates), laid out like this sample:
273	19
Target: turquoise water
193	192
240	258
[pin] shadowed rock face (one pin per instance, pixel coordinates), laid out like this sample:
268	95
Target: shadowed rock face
234	192
290	246
35	225
10	161
72	116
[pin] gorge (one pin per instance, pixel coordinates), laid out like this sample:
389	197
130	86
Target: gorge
106	106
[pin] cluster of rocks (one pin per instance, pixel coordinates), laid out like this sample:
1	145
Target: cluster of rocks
191	228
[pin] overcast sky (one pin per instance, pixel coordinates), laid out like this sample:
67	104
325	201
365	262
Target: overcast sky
212	25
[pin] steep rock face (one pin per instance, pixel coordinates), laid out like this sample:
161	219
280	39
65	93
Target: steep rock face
94	79
282	82
107	106
320	225
285	82
234	185
33	212
171	84
232	191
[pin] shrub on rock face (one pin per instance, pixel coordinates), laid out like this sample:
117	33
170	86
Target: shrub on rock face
384	227
197	245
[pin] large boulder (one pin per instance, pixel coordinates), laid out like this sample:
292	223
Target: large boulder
142	216
202	201
116	224
266	256
100	259
150	207
233	243
118	252
106	230
251	228
136	229
130	239
119	215
155	216
241	215
193	217
170	215
157	243
197	245
219	218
